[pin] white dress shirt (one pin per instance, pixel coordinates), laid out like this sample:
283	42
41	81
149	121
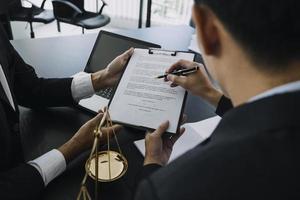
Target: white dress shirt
53	163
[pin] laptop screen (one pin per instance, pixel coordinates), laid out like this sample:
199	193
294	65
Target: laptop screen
108	46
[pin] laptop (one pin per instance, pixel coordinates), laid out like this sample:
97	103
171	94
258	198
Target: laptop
107	47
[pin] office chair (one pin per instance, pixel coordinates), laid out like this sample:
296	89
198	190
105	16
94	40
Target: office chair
34	14
72	12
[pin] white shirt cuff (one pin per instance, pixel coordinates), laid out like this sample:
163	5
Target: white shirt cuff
82	86
50	165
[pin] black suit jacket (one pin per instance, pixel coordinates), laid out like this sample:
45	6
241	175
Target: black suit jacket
19	180
254	153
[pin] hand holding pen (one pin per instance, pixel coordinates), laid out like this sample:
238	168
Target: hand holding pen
195	81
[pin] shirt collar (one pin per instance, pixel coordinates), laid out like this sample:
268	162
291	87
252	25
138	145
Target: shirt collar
286	88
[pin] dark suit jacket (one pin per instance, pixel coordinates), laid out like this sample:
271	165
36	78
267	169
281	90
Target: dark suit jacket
19	180
254	153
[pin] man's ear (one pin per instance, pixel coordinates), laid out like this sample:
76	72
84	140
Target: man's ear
207	29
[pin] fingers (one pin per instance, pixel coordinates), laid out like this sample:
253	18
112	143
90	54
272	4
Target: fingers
117	128
127	54
111	130
147	136
161	129
173	85
177	80
175	66
95	121
177	136
130	51
102	110
179	65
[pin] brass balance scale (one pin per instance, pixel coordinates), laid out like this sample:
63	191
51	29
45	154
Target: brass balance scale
103	166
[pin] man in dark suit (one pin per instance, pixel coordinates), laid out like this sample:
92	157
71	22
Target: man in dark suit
251	47
21	86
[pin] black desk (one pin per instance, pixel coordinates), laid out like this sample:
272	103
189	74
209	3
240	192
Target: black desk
43	130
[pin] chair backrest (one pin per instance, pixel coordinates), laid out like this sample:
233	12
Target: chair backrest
65	9
78	3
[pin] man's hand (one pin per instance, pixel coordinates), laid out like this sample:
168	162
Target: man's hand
158	148
197	83
84	137
111	74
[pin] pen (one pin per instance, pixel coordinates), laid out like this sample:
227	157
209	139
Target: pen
181	72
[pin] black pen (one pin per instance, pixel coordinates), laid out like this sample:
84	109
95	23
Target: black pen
181	72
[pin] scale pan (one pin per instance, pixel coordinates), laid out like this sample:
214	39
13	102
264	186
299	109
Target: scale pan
118	166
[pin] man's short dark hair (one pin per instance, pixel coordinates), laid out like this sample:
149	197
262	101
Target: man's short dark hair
269	30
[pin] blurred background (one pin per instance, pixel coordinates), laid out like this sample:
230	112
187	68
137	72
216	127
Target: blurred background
123	14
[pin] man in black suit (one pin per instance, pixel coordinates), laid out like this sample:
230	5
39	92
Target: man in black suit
21	86
251	47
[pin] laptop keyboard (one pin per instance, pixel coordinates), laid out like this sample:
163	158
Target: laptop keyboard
106	93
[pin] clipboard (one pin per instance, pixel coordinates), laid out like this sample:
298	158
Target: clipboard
164	53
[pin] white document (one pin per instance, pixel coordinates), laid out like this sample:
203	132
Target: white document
141	99
195	133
